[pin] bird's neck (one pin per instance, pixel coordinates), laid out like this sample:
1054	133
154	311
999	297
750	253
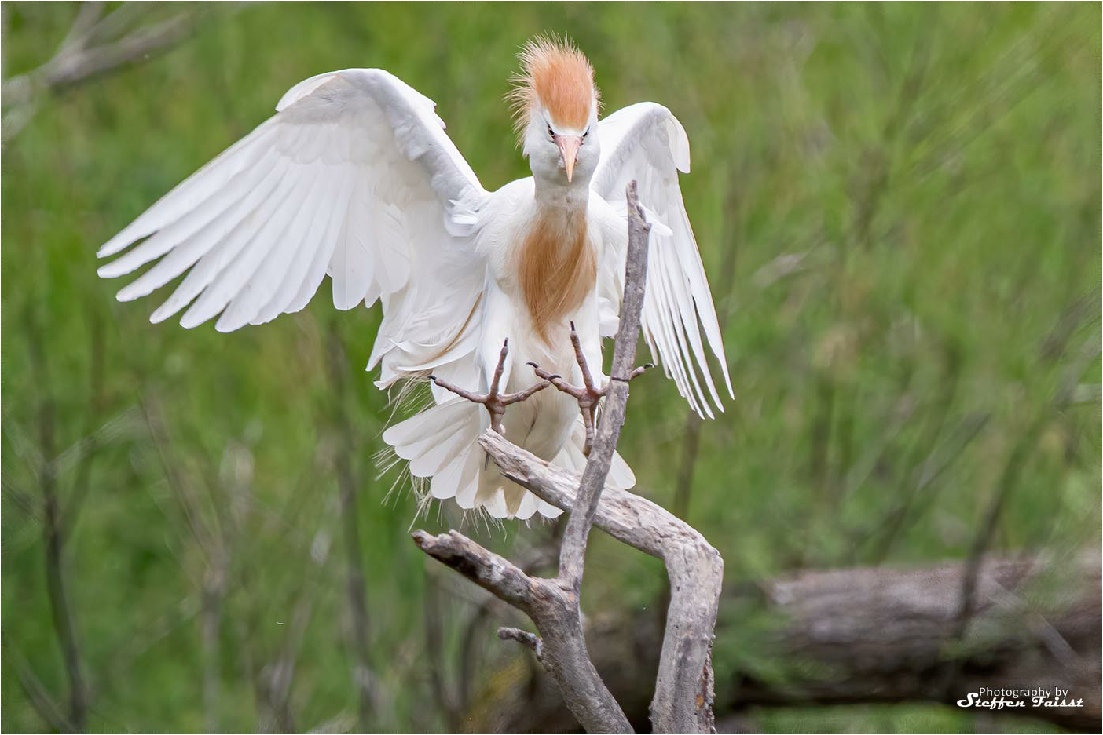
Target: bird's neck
557	265
560	198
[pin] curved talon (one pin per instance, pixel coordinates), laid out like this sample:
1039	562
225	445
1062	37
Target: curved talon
637	372
494	400
587	395
554	379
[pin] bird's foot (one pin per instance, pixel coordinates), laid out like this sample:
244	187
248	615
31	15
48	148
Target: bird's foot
588	395
494	400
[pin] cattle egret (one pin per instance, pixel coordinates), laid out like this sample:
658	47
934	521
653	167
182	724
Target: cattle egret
355	178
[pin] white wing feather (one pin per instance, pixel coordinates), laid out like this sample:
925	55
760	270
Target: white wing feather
646	143
353	177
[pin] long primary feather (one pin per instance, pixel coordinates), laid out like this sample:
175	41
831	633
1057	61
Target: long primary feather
646	143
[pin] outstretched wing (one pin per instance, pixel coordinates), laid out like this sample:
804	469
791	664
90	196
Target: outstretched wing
353	177
646	143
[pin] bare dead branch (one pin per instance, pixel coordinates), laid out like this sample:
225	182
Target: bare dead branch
96	44
572	552
85	23
552	608
695	568
75	63
492	572
453	694
526	639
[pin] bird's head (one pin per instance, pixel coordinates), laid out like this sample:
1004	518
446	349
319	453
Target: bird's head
555	106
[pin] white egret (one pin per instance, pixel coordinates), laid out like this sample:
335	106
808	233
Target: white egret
354	178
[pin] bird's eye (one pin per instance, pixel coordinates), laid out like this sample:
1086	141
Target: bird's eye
551	133
586	133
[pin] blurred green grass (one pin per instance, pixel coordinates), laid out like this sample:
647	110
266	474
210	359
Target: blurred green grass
898	207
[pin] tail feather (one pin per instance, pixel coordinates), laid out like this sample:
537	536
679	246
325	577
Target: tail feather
468	482
414	435
459	474
434	458
571	458
442	443
492	498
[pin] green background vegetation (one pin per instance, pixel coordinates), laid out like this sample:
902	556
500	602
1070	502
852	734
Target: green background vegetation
898	207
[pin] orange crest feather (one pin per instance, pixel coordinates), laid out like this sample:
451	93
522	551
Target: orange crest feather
558	76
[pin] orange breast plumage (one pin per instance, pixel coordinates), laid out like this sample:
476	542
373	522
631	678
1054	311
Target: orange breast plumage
556	269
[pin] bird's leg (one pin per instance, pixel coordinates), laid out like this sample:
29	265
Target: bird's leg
494	400
588	395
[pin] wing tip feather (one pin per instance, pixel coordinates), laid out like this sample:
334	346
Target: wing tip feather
118	243
110	270
129	293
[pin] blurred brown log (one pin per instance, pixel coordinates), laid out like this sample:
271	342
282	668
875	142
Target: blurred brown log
858	636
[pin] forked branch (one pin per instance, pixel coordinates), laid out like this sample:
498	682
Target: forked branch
554	610
684	689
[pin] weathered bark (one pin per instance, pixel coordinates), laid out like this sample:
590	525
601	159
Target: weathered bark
561	647
683	693
863	636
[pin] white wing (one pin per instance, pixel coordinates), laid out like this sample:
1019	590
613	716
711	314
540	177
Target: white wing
645	142
353	177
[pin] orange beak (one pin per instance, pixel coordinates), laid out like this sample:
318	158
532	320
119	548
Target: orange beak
568	151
